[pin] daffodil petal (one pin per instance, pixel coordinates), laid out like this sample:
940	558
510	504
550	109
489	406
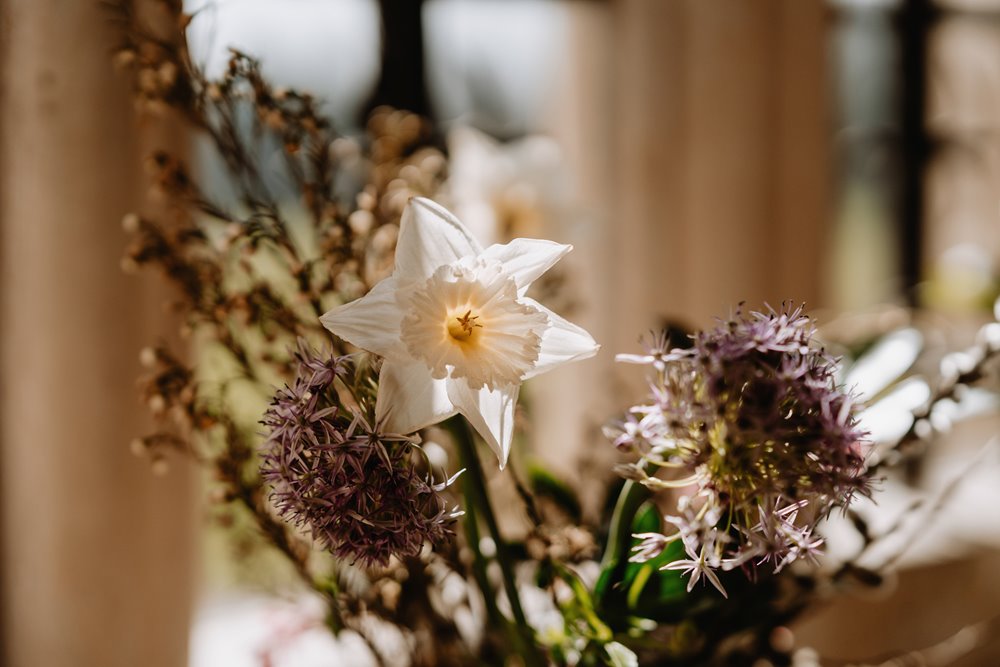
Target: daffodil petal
491	413
429	237
371	322
562	342
527	259
409	399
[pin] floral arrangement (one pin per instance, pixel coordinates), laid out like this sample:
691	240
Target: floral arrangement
354	344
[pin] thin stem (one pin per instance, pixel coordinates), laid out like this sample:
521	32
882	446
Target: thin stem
527	499
947	388
479	563
479	504
670	483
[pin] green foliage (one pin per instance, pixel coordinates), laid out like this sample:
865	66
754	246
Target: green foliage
647	586
545	485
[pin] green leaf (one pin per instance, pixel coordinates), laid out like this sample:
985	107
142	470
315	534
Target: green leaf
645	584
650	586
544	484
647	519
584	603
616	551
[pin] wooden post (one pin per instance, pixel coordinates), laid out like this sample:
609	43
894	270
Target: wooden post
697	138
723	153
96	552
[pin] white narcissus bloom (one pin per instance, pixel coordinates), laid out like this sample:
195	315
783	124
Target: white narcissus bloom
455	328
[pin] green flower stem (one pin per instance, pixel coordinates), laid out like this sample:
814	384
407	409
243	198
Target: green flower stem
479	563
631	497
330	591
479	504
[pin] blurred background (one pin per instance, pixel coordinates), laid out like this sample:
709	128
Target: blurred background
697	153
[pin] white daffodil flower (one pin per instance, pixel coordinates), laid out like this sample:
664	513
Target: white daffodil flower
455	328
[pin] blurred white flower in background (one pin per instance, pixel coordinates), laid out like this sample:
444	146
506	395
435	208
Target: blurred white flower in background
506	190
250	630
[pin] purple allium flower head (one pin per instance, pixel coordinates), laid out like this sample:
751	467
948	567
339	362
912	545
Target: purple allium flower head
752	420
358	492
772	421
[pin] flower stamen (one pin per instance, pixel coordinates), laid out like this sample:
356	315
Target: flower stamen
462	328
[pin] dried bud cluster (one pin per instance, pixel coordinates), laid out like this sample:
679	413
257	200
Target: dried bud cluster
154	54
750	421
238	262
357	491
255	264
168	390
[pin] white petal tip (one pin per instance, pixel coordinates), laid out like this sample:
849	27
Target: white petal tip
503	456
435	208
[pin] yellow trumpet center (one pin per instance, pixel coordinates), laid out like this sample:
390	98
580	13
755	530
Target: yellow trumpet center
466	322
462	327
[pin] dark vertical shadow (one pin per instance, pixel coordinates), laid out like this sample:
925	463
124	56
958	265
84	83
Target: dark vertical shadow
914	21
402	81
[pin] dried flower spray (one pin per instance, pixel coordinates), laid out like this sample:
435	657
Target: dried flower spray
357	490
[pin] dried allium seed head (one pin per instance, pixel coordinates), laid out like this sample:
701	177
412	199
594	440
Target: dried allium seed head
356	490
752	417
